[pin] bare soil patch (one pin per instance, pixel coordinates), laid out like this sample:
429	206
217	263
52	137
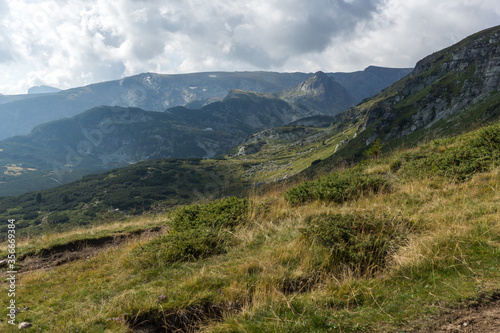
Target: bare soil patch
186	320
78	249
479	316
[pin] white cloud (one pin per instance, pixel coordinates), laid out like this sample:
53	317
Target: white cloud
76	42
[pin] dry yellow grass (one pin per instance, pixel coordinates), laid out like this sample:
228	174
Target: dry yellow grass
269	252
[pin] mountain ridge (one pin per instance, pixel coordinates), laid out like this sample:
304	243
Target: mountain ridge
148	91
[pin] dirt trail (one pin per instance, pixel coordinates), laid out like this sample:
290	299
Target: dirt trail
78	249
482	317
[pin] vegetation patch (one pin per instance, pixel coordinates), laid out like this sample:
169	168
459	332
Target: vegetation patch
359	243
337	187
190	319
197	231
476	153
95	199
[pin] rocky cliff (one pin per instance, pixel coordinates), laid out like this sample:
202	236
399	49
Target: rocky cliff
441	92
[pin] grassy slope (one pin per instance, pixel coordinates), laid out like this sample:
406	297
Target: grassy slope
280	156
117	194
272	278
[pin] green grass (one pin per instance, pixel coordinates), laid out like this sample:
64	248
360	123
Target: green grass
373	261
474	153
337	187
196	232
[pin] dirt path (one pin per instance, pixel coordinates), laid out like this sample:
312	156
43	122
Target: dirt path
483	317
79	249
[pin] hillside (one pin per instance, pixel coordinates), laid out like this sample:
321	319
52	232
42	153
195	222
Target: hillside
448	92
402	243
117	194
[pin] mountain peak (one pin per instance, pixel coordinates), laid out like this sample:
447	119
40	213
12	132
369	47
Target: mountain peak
321	94
43	89
319	81
320	74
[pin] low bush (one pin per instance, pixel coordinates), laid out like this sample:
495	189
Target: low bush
197	231
461	161
337	187
395	166
360	243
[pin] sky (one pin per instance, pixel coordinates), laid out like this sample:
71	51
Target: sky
70	43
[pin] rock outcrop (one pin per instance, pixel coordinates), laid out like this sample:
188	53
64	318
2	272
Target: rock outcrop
442	85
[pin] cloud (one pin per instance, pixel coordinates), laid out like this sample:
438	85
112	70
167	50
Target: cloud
76	42
5	43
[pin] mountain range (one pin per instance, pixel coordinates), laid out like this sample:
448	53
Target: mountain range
445	93
157	92
106	137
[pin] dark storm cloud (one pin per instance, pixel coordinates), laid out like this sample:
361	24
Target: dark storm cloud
297	27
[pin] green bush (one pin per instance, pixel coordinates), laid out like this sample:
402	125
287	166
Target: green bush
58	218
395	166
358	243
461	161
197	231
337	187
224	213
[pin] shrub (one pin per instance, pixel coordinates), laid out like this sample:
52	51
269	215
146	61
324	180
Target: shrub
58	218
225	213
197	231
395	166
356	242
375	150
336	187
462	161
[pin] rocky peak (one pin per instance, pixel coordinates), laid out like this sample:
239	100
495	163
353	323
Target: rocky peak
321	94
317	84
43	89
481	50
442	85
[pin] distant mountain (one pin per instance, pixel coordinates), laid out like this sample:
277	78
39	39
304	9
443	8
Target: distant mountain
154	92
320	94
157	92
372	80
108	137
42	90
